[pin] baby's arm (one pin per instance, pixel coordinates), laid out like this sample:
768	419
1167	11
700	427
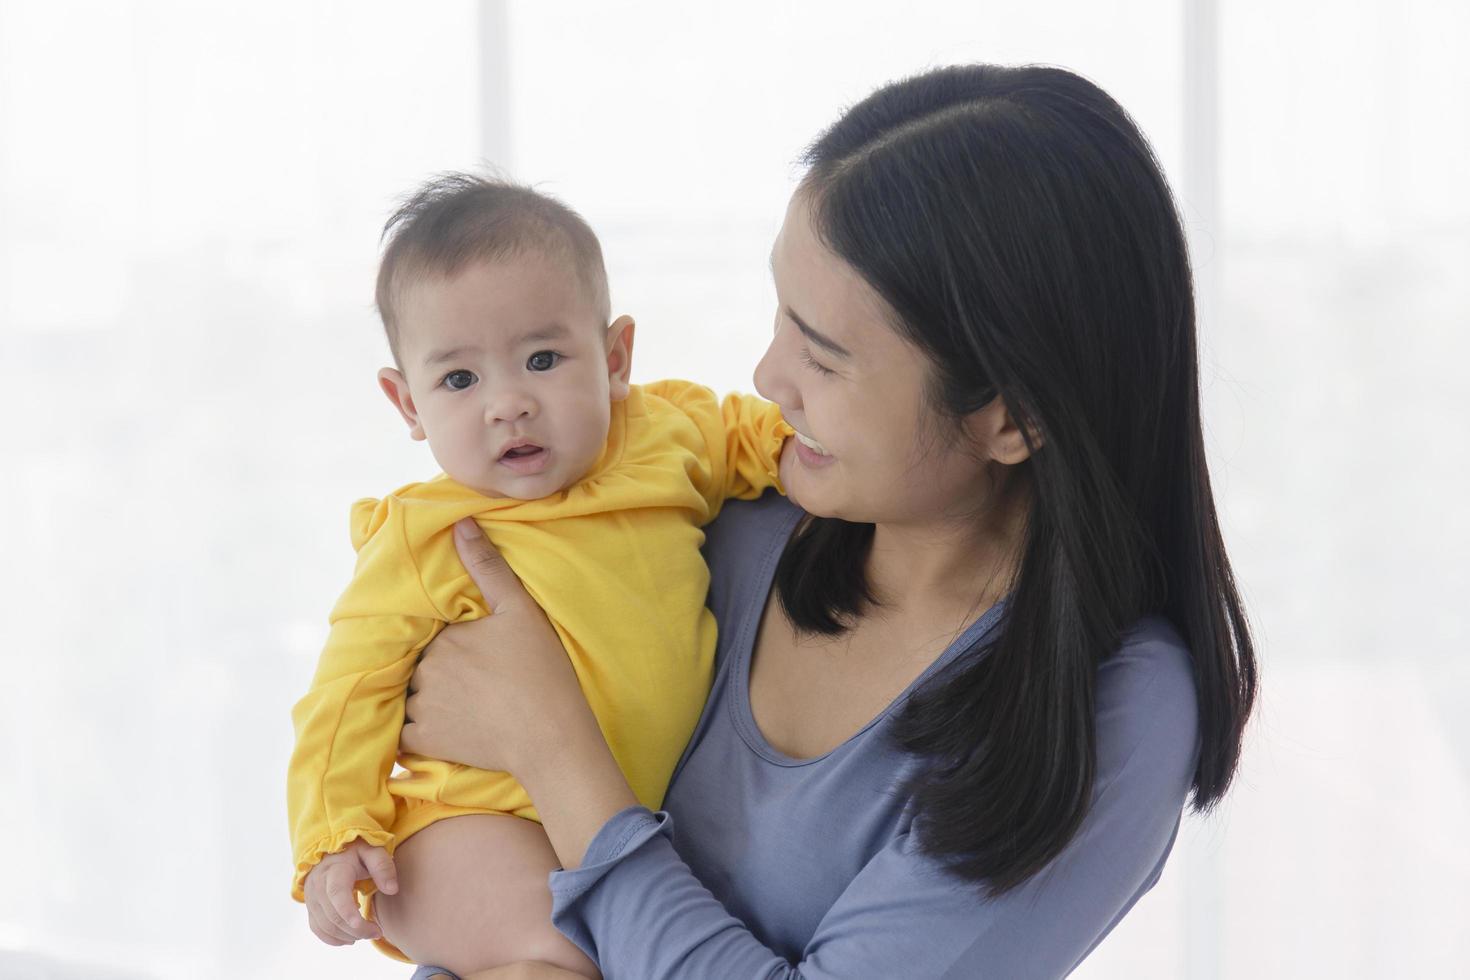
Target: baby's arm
347	736
744	436
347	725
755	435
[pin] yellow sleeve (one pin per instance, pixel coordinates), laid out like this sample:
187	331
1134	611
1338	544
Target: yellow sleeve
744	435
348	723
754	435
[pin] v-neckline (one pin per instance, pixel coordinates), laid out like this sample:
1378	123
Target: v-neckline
743	649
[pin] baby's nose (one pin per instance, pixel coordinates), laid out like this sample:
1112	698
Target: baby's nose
509	406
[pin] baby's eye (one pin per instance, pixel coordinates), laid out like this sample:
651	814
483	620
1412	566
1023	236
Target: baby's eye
459	380
543	360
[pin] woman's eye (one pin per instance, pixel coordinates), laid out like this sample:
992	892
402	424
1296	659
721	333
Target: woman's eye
811	362
459	380
543	360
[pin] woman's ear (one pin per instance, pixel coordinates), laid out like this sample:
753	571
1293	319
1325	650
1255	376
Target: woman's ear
996	429
395	386
619	357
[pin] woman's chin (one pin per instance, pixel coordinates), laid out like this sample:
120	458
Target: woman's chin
811	488
810	499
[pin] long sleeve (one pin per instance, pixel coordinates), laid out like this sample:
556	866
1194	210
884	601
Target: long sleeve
637	908
754	434
743	434
347	724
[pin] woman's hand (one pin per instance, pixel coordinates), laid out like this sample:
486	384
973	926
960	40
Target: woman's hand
493	693
528	970
499	693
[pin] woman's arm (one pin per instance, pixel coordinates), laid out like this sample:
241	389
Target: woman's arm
525	970
508	699
637	909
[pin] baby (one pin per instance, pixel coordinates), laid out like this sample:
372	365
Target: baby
495	302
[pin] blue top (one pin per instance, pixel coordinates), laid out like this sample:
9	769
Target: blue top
806	868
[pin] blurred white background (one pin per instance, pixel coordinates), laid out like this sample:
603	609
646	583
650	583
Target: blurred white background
190	199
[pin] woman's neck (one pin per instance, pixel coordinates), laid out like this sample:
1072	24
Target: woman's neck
961	563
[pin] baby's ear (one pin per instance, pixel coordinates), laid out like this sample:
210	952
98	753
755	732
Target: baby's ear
619	357
395	386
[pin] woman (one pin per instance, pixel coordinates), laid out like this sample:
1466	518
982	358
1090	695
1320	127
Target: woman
965	688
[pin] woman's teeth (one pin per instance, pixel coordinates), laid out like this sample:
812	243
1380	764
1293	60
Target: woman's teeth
812	444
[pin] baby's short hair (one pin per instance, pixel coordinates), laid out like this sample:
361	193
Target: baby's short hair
457	218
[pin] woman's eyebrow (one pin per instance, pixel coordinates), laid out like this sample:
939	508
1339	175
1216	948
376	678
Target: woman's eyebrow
820	339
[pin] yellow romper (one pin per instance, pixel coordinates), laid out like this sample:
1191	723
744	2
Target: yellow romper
615	563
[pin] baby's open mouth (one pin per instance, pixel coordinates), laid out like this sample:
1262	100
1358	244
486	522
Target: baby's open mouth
521	452
525	457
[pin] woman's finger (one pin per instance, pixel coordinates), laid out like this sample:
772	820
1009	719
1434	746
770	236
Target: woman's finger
408	739
498	584
417	714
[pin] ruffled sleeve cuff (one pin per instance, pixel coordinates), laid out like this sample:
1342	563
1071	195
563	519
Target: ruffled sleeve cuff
311	856
616	846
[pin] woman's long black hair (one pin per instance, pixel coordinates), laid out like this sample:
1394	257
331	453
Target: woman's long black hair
1019	225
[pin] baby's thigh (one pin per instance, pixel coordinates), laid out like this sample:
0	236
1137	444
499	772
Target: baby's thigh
472	895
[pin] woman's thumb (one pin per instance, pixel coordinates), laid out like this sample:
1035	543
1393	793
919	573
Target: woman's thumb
490	572
380	868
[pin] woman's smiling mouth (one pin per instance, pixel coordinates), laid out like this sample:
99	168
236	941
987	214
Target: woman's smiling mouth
811	453
812	444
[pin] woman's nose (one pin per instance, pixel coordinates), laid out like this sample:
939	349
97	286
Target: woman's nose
772	380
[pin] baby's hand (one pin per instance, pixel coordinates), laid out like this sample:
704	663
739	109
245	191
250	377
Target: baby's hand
331	906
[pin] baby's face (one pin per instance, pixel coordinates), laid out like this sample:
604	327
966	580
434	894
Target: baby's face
511	374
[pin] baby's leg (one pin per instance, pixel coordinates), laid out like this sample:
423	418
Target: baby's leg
472	895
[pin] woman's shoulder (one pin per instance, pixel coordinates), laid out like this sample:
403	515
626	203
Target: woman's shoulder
1146	705
742	546
736	542
767	515
1154	646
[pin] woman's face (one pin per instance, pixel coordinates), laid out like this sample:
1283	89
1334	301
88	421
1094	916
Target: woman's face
848	382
